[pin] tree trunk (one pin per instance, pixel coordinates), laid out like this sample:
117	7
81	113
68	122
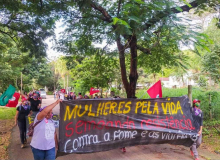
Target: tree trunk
121	50
130	87
133	67
154	75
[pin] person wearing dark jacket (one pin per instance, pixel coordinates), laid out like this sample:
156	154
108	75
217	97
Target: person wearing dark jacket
35	103
23	110
198	120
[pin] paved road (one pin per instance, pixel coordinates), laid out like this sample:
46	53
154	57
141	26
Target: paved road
142	152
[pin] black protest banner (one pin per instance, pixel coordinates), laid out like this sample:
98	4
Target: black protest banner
30	119
99	125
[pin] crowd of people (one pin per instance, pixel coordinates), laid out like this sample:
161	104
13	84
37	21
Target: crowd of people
44	141
30	105
44	138
74	96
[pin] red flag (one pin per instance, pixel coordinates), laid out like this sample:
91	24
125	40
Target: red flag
93	91
63	90
23	98
155	91
14	100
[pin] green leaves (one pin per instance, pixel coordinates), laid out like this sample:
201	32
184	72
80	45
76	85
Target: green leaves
120	22
179	9
134	18
139	1
185	2
115	20
97	70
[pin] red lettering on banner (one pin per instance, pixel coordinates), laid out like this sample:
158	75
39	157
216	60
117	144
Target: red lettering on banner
116	124
172	124
127	124
147	123
107	126
163	125
78	126
90	122
69	135
190	124
131	122
102	125
177	123
169	122
181	124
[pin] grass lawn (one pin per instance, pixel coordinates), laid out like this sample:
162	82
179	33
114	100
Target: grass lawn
7	113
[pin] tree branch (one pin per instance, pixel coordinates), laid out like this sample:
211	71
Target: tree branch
108	18
8	34
160	15
18	30
144	50
119	7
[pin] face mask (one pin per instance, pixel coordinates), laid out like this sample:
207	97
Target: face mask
197	105
25	107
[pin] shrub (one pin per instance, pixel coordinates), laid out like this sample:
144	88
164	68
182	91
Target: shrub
197	93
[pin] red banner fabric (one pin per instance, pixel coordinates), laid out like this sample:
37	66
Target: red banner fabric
156	90
14	100
93	91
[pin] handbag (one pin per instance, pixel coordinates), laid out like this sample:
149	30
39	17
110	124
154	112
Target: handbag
31	128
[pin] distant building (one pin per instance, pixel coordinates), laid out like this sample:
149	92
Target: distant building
174	82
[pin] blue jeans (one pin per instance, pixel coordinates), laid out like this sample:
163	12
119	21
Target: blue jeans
43	154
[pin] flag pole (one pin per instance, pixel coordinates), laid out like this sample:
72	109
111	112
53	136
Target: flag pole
142	95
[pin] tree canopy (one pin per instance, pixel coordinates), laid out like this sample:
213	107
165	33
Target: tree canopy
148	32
151	27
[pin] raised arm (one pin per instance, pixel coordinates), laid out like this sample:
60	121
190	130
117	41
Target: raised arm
16	117
24	95
45	111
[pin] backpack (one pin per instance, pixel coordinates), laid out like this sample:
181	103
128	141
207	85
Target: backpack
31	128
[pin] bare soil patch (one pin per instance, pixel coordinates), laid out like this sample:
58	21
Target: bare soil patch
5	134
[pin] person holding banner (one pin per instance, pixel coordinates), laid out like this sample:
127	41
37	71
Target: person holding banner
23	110
80	96
44	137
198	118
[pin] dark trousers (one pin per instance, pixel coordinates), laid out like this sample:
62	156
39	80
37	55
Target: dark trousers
22	129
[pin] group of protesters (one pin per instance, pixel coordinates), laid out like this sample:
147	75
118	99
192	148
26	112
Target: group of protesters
44	138
44	141
30	105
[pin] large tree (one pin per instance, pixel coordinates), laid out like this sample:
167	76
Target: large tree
128	22
124	22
